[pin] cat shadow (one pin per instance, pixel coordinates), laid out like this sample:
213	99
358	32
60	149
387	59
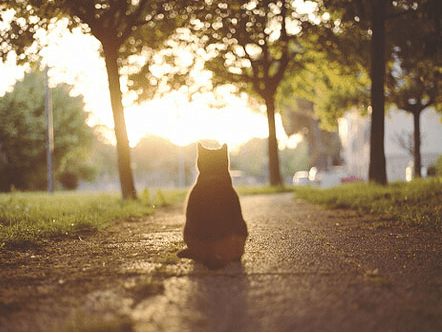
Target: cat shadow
221	297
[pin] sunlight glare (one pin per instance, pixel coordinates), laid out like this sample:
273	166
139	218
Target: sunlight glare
73	57
183	124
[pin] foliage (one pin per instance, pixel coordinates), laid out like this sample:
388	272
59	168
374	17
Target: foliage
68	180
332	87
346	34
132	26
415	203
23	133
438	166
251	42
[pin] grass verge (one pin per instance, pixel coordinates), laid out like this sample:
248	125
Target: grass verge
416	203
30	218
262	189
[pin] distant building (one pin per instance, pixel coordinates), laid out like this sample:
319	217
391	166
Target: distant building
354	131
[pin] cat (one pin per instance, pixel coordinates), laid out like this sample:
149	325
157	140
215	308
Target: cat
215	231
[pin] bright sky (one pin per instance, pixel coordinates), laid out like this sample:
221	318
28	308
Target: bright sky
74	58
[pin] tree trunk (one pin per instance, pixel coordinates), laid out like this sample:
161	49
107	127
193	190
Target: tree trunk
123	149
417	144
274	170
377	172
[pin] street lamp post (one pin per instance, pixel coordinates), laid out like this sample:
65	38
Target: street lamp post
49	133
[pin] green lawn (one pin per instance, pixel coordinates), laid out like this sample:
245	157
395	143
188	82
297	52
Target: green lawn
29	218
417	203
262	189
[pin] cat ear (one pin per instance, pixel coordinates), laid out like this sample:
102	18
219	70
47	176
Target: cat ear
224	147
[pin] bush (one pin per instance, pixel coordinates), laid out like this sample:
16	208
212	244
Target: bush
69	180
438	166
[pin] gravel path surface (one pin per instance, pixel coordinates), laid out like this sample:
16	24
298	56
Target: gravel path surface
304	269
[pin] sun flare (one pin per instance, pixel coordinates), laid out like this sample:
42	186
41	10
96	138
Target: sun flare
186	123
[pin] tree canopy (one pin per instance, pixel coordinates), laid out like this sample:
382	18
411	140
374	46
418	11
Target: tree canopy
250	45
124	28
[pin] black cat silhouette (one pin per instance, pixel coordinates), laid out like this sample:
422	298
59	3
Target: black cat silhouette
215	231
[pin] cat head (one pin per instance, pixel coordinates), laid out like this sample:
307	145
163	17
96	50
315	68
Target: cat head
213	161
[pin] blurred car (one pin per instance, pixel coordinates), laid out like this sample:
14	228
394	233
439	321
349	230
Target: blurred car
335	177
330	178
351	179
313	176
301	178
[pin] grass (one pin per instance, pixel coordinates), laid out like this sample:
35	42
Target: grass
262	189
30	218
416	203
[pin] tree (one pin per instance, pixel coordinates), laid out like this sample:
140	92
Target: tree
123	27
313	98
330	86
324	147
250	45
377	169
417	92
23	128
415	81
376	19
364	20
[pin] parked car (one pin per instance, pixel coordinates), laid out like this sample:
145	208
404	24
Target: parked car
351	179
313	176
301	178
330	178
334	177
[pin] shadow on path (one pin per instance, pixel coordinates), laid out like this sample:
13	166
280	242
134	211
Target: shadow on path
202	300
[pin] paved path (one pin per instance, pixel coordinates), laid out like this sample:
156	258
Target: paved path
304	269
308	269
